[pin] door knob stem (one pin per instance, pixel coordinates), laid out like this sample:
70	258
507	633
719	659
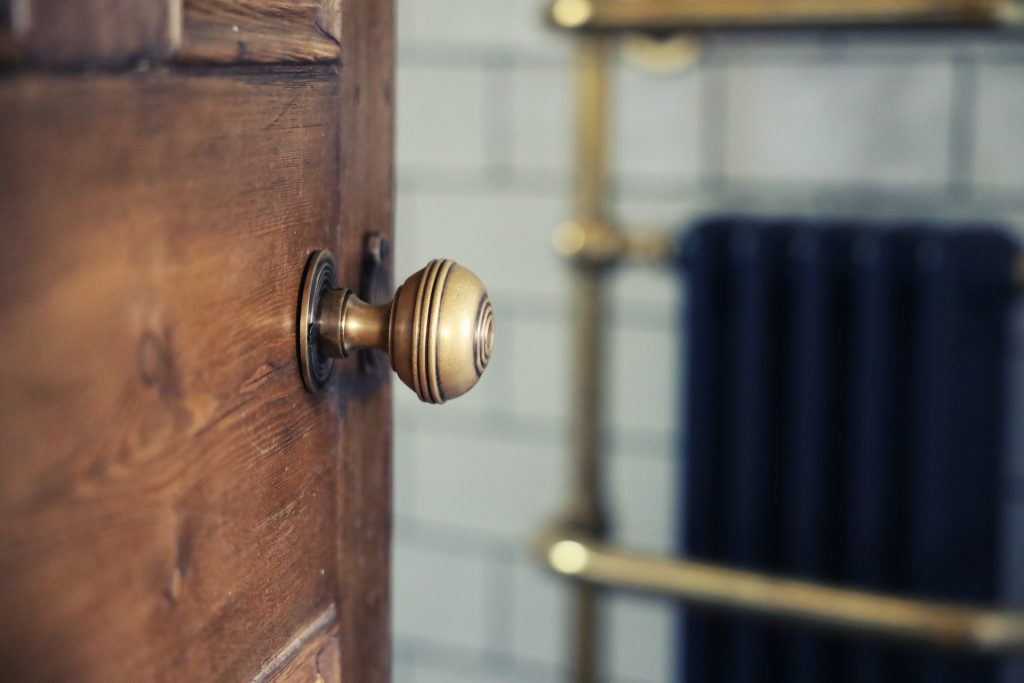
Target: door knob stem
347	324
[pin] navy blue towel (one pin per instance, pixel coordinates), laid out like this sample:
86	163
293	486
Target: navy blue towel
845	399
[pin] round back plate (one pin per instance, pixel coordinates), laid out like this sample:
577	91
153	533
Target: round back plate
321	276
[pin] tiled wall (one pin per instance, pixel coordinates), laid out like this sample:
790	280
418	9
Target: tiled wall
922	125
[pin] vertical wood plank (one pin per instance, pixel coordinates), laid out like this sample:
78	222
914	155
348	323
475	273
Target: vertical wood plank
367	112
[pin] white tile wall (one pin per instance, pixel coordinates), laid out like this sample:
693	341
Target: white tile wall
645	373
427	673
542	103
655	126
439	596
464	23
481	485
541	616
484	106
540	360
428	670
403	671
999	150
640	638
866	124
440	117
645	493
404	454
502	232
480	27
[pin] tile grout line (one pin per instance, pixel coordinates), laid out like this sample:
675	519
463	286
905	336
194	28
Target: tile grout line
963	120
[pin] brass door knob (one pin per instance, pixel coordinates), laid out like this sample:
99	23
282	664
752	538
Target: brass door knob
438	330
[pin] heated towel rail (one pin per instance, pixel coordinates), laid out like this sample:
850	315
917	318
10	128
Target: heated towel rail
574	546
676	15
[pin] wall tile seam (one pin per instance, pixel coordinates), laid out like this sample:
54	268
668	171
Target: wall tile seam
522	429
499	128
712	121
431	652
500	606
520	537
458	56
644	449
628	315
554	182
963	127
885	198
848	187
467	182
730	187
456	542
826	58
526	428
440	654
457	53
542	183
503	426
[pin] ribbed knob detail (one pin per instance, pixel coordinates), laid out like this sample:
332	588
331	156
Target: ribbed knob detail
484	341
442	331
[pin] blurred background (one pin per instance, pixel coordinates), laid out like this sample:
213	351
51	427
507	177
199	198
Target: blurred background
891	125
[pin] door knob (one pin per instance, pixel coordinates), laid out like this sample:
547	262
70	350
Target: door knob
438	330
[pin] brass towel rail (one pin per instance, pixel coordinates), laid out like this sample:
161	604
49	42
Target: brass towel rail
691	15
592	244
936	624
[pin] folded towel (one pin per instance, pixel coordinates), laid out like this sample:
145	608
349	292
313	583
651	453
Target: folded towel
844	418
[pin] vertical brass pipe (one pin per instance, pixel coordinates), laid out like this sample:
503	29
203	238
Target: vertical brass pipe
591	154
587	510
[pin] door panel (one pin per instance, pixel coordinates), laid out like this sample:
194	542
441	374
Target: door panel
169	493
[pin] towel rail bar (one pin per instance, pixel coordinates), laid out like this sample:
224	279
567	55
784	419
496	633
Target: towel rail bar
716	587
691	15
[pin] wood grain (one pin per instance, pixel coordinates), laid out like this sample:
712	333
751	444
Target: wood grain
367	185
167	487
113	33
241	31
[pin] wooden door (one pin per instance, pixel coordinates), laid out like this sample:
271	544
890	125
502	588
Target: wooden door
174	506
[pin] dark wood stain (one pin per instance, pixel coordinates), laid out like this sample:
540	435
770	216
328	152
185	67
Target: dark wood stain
173	505
167	487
